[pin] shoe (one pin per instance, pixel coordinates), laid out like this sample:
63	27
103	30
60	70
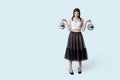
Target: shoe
71	73
79	71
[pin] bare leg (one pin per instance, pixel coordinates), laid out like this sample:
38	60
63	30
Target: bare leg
70	66
80	66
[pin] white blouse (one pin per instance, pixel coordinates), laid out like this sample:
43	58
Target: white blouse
75	25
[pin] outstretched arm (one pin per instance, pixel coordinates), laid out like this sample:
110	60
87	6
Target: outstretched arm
84	25
68	24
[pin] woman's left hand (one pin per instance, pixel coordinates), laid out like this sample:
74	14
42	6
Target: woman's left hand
88	20
64	20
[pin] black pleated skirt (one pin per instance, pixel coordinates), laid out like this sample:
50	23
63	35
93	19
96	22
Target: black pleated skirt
76	49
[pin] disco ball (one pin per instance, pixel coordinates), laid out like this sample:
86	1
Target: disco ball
61	25
90	26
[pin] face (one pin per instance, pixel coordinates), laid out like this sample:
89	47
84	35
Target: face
76	14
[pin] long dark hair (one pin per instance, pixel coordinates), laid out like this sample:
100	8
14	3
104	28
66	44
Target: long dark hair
76	10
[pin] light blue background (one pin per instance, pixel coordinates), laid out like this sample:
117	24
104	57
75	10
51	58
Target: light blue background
32	47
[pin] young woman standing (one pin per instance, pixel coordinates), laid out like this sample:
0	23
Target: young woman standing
76	49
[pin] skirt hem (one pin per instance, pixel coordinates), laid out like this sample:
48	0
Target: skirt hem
76	55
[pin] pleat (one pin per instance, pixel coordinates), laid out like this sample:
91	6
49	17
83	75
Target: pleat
76	50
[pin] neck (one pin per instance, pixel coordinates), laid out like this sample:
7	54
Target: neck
76	17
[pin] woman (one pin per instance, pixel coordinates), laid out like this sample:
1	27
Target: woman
76	49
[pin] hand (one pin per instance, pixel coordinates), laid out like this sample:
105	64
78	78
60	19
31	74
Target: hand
88	20
64	20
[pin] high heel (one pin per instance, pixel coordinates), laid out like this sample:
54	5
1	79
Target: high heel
79	71
72	73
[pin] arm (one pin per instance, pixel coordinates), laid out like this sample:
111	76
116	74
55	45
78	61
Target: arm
68	24
84	25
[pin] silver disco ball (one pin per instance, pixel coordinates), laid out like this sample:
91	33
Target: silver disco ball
61	25
90	26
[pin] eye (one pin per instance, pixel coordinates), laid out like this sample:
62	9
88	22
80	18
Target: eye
76	13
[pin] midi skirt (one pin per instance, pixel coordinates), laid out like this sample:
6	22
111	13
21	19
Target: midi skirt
76	49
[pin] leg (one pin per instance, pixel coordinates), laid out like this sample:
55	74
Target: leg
80	67
70	67
80	64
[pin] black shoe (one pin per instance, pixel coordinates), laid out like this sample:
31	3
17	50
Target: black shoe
79	71
72	73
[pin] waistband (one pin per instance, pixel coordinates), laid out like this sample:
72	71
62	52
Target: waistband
74	32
